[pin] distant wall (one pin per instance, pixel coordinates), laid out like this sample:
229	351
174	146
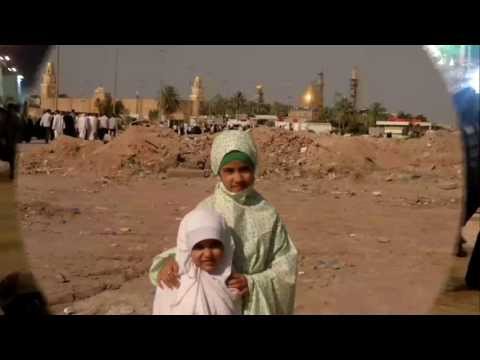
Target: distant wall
132	105
81	105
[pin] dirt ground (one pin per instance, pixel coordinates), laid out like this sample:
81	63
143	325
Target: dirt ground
90	245
373	242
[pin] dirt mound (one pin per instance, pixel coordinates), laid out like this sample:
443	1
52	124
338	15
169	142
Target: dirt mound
139	149
151	150
60	156
305	154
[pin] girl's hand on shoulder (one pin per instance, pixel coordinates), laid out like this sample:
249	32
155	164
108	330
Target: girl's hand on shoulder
168	276
239	282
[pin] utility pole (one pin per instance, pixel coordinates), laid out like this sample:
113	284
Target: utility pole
58	78
115	78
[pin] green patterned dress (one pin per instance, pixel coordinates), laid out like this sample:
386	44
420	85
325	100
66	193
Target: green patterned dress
264	252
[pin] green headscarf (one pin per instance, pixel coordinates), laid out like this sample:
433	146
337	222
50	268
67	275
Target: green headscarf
236	156
229	142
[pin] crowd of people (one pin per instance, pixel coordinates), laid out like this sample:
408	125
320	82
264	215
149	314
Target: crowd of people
186	129
86	126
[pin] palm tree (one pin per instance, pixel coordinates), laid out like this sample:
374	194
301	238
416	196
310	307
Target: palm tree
327	114
119	107
239	102
169	100
376	112
343	110
421	117
218	105
404	115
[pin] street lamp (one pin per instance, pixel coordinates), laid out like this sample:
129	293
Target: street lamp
7	58
308	98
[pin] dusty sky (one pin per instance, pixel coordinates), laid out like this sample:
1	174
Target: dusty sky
400	77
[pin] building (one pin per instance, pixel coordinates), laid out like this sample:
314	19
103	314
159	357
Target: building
313	98
136	107
319	127
396	127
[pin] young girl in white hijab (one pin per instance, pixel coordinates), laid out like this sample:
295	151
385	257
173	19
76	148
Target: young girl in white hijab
204	254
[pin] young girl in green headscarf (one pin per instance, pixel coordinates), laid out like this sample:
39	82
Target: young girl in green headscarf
265	259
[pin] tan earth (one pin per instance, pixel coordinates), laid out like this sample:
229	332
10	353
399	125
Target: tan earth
374	219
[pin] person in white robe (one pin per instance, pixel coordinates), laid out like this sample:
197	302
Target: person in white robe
204	252
58	125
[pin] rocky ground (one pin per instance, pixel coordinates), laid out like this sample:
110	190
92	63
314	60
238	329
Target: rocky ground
374	219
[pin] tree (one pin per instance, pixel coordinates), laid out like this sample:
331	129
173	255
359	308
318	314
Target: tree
376	112
153	114
264	109
280	109
169	100
421	118
119	108
218	105
343	110
105	106
238	102
327	114
404	115
98	104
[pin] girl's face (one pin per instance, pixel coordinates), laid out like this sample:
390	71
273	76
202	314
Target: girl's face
237	176
207	254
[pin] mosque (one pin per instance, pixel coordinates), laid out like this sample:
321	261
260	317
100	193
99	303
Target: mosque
137	107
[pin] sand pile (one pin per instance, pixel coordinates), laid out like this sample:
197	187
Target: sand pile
152	150
58	156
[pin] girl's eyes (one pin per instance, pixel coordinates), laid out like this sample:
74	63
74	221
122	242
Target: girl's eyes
210	246
229	171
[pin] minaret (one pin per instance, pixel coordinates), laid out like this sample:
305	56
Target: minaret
321	88
48	87
197	96
354	88
100	96
260	98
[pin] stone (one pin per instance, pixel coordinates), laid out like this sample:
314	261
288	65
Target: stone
303	149
383	240
377	193
389	178
68	311
448	186
76	211
61	278
297	174
352	235
125	230
120	309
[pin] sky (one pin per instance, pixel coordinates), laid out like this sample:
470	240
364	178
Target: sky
400	77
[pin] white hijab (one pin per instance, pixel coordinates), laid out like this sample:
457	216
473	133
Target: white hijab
200	293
